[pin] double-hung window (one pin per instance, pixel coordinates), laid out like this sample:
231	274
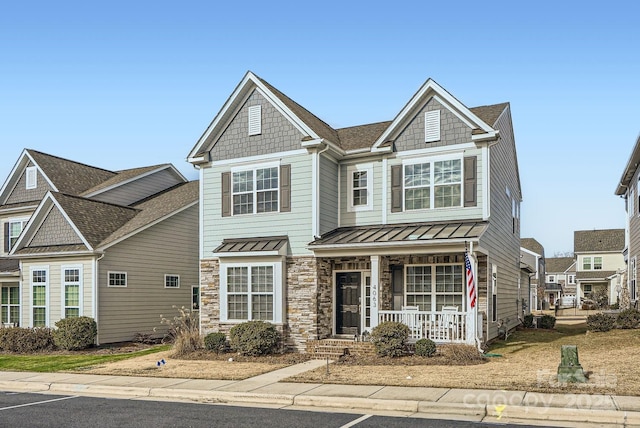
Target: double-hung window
250	292
435	183
255	190
72	289
360	187
15	229
10	305
39	294
430	287
597	263
586	263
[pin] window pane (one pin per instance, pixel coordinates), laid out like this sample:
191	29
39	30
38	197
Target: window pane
267	178
242	181
418	279
416	199
195	298
267	201
72	295
417	175
262	279
447	171
71	312
449	279
243	203
39	317
14	314
448	300
262	307
237	280
359	179
71	275
237	307
447	196
422	301
5	296
360	197
39	295
5	314
39	276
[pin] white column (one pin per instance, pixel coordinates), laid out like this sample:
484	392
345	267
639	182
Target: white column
375	289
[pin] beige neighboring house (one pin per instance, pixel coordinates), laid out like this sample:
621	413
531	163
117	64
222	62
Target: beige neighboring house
599	262
533	264
117	246
561	275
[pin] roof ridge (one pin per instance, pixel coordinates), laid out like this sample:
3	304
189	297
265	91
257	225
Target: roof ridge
70	160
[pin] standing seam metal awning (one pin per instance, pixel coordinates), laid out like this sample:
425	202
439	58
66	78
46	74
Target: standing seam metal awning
250	245
401	233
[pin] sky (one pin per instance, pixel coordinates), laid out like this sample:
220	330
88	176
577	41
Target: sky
125	84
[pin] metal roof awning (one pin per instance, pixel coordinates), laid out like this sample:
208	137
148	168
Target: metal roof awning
261	246
400	235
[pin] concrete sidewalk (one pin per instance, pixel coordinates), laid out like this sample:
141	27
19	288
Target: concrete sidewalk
565	410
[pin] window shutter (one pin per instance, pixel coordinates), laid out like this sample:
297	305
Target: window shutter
396	188
432	126
255	120
6	237
470	182
285	188
226	194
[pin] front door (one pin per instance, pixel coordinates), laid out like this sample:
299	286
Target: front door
348	303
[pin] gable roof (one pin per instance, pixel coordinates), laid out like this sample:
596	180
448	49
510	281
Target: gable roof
605	240
532	245
558	264
373	136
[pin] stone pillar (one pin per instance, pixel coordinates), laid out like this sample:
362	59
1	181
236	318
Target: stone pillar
209	296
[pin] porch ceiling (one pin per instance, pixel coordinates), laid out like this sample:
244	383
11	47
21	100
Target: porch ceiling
401	234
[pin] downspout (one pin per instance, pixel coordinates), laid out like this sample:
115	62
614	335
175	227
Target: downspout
96	291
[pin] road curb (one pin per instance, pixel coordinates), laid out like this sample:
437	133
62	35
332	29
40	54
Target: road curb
17	386
222	396
76	388
356	403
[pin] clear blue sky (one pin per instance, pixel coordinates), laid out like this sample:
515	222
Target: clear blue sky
124	84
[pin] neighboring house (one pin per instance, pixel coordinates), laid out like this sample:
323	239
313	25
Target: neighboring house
599	263
84	241
328	232
629	188
533	263
561	275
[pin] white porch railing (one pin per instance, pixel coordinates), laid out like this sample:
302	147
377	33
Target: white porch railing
441	327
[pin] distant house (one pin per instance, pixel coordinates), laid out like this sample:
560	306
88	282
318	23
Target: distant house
532	260
328	232
599	263
561	275
629	188
117	246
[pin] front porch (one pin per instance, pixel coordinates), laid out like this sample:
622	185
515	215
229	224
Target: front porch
447	326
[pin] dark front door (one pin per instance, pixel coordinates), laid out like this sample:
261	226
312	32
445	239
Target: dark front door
348	303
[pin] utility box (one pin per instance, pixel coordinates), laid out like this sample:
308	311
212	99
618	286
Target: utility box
570	369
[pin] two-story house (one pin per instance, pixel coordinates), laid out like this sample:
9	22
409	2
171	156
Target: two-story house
629	189
328	232
532	258
599	263
561	275
117	246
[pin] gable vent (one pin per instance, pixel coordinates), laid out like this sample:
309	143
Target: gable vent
32	177
432	126
255	120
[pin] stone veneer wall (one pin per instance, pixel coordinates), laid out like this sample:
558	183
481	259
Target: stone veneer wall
209	296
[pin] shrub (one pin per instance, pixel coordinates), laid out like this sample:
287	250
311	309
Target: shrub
216	342
425	347
75	333
26	340
527	321
462	354
601	322
254	338
547	321
389	338
183	332
629	318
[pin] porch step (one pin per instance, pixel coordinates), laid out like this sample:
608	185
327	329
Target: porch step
336	348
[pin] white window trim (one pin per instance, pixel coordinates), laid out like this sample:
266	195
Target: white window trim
167	275
9	305
46	285
31	174
126	279
278	285
192	288
63	291
432	194
432	126
551	278
254	168
24	221
255	120
434	293
585	259
351	169
601	262
571	279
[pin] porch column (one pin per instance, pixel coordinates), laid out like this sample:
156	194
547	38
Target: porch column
375	289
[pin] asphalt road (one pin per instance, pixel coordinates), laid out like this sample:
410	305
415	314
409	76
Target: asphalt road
39	410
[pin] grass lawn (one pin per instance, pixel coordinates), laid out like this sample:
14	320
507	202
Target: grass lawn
60	362
528	360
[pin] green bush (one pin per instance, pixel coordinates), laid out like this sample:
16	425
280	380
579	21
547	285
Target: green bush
254	338
216	342
26	340
389	338
527	321
547	321
601	322
425	347
629	318
75	333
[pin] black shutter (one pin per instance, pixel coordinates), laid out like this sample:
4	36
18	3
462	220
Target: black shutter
285	188
6	237
226	194
470	181
396	188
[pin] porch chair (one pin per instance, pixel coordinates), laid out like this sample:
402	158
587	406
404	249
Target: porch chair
410	319
446	328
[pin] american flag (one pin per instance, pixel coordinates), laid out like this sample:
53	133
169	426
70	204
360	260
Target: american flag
471	281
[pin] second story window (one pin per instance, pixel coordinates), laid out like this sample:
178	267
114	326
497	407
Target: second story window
360	187
13	231
586	263
551	278
255	190
597	263
436	184
571	279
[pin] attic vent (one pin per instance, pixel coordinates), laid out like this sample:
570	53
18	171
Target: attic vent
255	120
432	126
32	177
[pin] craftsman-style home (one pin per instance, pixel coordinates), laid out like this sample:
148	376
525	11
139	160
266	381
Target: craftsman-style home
328	232
83	241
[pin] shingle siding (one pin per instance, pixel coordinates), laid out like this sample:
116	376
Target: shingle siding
55	230
22	194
